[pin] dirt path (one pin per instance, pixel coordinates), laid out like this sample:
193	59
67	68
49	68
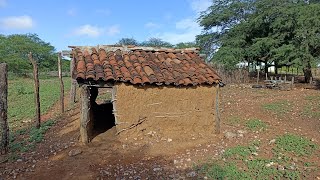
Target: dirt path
108	158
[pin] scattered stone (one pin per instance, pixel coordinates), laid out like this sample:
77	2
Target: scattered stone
270	164
295	159
242	132
74	152
157	169
280	167
255	154
272	141
230	135
191	174
169	140
19	160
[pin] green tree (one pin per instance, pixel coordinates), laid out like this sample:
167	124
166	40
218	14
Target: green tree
127	41
283	32
14	50
156	42
183	45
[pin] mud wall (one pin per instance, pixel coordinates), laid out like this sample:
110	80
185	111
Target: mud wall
175	112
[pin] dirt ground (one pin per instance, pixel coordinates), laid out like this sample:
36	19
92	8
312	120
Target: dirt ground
61	156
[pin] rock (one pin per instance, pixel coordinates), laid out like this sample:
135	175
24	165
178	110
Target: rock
191	174
280	167
157	169
242	132
74	152
269	164
230	135
19	160
272	141
169	140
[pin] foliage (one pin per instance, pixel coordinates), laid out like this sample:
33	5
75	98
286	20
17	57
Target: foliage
278	107
14	50
36	135
295	144
155	42
239	152
184	45
283	32
127	41
255	124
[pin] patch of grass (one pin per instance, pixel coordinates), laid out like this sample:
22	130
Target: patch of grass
233	120
24	140
256	124
278	107
226	171
312	98
298	145
21	98
239	152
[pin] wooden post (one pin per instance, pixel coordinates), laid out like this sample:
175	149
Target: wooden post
114	100
292	81
258	76
61	84
217	114
4	128
36	90
73	83
85	120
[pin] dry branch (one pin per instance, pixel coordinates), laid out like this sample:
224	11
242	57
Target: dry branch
140	121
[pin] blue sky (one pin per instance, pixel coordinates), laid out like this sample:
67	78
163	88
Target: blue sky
79	22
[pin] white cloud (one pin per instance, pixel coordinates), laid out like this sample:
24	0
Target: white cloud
88	30
186	31
152	25
3	3
95	31
200	5
72	12
17	22
113	30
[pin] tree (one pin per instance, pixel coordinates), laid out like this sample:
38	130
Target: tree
14	50
127	41
283	32
156	42
183	45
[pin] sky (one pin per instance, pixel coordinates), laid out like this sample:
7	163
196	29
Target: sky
80	22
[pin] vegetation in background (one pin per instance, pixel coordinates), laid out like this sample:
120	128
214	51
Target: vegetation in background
21	97
283	32
14	51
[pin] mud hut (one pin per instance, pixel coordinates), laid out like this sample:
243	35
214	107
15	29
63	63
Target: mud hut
153	89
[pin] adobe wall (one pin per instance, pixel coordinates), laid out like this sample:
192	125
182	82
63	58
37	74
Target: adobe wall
174	112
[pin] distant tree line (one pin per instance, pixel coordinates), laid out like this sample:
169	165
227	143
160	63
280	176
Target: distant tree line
155	42
273	32
14	50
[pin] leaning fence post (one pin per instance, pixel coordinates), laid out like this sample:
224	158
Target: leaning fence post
4	128
36	90
217	115
61	83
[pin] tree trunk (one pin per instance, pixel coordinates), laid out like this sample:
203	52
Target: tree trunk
307	73
36	90
61	84
4	128
86	123
275	67
266	67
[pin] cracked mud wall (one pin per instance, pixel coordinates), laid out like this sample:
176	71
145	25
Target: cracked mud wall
174	112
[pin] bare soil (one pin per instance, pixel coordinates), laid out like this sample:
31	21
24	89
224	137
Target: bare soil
154	156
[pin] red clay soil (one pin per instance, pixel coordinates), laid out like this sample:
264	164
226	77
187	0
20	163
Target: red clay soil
154	157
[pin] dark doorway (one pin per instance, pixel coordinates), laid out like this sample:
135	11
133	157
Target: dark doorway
103	118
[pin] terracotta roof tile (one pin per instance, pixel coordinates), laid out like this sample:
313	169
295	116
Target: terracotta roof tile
139	66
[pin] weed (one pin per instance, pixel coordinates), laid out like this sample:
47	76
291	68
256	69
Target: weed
239	152
36	135
279	107
233	120
295	144
255	124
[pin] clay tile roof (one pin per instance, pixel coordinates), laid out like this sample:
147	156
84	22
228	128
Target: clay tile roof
141	65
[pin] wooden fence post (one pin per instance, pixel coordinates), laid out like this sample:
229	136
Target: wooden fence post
73	83
36	90
61	84
4	128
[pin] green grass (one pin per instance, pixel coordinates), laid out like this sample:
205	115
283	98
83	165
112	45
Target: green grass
312	107
278	107
25	139
298	145
234	121
244	162
256	124
21	98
